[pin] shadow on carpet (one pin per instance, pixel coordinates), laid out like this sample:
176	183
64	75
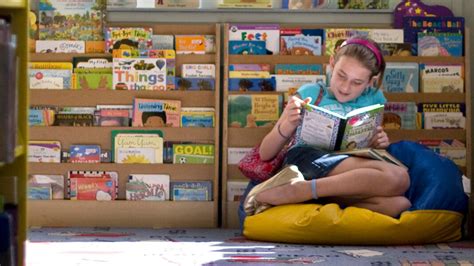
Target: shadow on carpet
132	246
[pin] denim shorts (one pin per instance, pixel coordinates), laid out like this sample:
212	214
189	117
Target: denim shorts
312	162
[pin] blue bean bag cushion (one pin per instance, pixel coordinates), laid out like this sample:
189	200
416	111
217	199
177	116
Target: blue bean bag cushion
438	206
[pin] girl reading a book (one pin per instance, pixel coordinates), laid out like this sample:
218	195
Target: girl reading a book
312	173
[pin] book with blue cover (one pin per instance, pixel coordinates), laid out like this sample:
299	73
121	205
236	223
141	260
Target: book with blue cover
401	77
252	84
191	190
440	44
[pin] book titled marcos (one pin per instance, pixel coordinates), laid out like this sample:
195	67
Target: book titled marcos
331	131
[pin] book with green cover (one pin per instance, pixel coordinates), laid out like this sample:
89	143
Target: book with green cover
331	131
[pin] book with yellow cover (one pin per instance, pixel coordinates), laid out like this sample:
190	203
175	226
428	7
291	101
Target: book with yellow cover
137	146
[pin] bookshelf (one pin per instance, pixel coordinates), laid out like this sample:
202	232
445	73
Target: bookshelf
249	137
17	12
121	213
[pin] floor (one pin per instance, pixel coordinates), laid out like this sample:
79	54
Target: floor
129	246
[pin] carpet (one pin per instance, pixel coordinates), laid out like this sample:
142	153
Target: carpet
137	247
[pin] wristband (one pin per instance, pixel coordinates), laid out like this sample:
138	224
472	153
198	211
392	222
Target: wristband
281	134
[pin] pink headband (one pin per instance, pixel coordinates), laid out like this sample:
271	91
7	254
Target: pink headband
367	44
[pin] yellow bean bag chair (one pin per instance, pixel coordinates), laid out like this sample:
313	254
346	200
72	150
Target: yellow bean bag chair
436	215
330	225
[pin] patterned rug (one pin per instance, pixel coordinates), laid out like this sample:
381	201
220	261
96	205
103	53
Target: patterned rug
137	247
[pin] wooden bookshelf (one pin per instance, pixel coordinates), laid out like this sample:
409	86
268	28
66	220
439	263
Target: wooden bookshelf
249	137
119	212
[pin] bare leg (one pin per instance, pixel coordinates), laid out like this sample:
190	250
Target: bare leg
391	206
354	178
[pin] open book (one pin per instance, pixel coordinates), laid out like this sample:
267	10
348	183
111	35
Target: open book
376	154
331	131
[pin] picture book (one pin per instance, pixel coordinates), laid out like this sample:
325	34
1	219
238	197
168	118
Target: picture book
39	192
245	47
193	153
41	115
195	84
162	42
148	187
84	154
376	154
332	131
445	78
291	83
54	182
114	117
190	44
44	151
401	77
254	110
297	4
139	74
440	44
298	69
249	67
156	113
452	149
236	190
50	78
235	154
137	146
270	33
170	58
177	3
400	115
89	62
298	41
168	150
386	35
191	191
249	74
197	117
412	25
95	47
93	78
135	39
396	49
60	47
198	71
75	120
122	3
252	84
71	19
442	115
334	37
92	185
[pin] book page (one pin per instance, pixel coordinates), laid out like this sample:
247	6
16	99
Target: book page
319	129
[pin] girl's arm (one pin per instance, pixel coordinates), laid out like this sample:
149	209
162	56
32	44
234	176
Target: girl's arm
274	141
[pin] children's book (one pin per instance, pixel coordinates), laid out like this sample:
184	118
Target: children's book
400	115
170	58
331	131
137	146
376	154
39	192
92	185
440	44
270	33
197	117
252	84
84	153
235	154
297	41
291	83
245	4
193	153
50	78
41	115
177	3
78	47
55	182
139	74
198	71
445	78
156	113
44	151
71	19
335	37
162	42
135	39
236	190
246	47
114	117
401	77
148	187
254	110
192	44
191	191
297	4
442	115
93	78
195	84
249	67
298	69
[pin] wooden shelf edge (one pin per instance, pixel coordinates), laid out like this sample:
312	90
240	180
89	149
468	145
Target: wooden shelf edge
13	4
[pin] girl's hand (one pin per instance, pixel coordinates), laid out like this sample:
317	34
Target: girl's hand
291	116
380	139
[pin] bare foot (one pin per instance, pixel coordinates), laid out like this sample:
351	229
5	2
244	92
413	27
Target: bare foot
294	192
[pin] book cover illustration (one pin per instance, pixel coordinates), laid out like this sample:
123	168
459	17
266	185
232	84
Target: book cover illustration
73	119
386	35
195	84
297	4
71	20
114	117
249	67
44	151
190	44
440	44
162	42
177	3
191	191
92	185
122	3
135	39
332	131
197	117
270	33
254	110
170	58
396	49
198	71
139	74
50	78
252	84
54	182
193	153
412	25
401	77
148	187
301	41
442	115
249	74
335	37
400	115
156	113
298	69
247	47
41	115
442	78
60	47
39	192
84	154
93	78
291	83
137	146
